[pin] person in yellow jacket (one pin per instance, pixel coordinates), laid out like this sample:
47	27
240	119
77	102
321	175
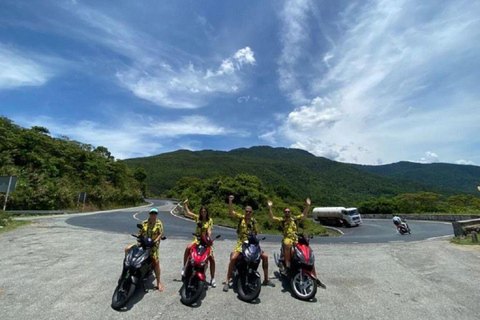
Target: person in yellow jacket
153	229
204	227
247	225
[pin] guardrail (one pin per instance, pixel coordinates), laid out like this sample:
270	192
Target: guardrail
420	216
459	226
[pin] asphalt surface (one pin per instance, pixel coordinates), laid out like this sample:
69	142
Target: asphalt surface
371	231
55	270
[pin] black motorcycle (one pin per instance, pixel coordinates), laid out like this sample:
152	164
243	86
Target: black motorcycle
245	274
137	267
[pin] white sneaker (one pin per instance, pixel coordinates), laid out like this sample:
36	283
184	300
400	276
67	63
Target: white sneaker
213	283
183	271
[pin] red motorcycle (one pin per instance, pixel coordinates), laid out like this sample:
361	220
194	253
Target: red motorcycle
302	279
194	276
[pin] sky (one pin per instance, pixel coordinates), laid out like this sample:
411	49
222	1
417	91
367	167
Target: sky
368	82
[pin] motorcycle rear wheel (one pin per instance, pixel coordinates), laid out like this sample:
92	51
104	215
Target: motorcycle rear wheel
123	292
191	290
249	290
304	286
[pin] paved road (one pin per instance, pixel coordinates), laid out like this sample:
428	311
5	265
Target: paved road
371	231
53	270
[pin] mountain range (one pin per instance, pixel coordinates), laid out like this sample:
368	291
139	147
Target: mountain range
299	173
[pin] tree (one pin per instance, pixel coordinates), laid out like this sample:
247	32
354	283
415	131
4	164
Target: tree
41	130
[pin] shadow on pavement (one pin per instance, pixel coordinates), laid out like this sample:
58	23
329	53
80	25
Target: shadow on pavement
286	287
139	294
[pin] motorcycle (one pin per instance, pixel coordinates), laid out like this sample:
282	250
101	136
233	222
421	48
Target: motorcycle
194	276
137	267
403	228
246	277
302	279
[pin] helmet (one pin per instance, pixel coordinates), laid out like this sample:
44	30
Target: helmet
397	220
154	210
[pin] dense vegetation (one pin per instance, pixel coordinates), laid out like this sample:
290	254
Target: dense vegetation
291	172
459	178
248	190
422	202
53	171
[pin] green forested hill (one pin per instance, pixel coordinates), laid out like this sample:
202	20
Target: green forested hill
51	171
460	178
289	172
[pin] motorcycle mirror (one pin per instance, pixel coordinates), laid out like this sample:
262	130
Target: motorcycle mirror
163	238
264	238
139	226
218	236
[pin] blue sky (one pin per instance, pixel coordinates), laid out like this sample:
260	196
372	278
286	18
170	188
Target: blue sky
368	82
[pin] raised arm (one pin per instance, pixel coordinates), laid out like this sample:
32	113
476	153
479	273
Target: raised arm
307	207
187	210
270	212
230	206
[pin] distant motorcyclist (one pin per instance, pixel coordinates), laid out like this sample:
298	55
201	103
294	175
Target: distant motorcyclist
153	229
397	221
246	226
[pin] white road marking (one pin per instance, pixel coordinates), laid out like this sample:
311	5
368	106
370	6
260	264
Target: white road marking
135	216
440	237
187	219
338	230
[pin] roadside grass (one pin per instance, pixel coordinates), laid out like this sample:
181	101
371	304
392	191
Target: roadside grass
8	224
464	241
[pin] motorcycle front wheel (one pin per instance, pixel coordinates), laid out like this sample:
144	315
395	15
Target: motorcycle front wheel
191	290
304	286
123	292
248	287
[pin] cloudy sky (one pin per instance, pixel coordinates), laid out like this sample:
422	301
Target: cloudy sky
368	82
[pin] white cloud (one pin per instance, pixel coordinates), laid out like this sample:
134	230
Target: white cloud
243	99
19	70
188	125
132	136
244	56
400	77
465	162
189	87
269	137
157	71
430	157
320	114
294	35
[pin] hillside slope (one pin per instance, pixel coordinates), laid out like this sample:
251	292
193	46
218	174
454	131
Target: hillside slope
460	178
287	171
52	172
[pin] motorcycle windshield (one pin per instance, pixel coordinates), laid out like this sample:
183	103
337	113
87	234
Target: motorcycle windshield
303	254
136	256
252	252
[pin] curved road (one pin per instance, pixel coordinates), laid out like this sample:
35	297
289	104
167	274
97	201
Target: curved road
371	231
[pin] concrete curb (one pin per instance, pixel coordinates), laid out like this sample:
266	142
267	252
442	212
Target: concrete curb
417	216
